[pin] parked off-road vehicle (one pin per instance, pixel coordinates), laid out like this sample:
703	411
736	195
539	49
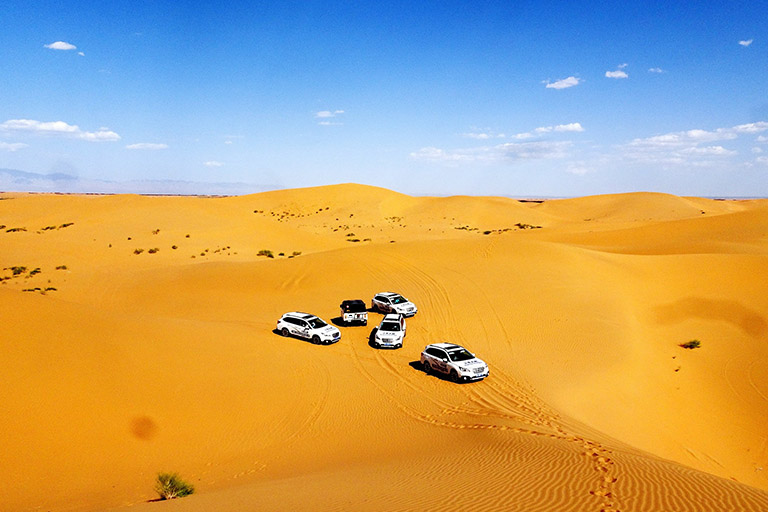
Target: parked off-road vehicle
388	302
391	332
453	360
309	327
353	311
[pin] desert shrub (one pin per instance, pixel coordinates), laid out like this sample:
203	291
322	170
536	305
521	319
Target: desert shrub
486	232
170	486
61	267
353	239
66	225
48	228
15	230
265	252
522	225
187	236
156	231
281	254
138	251
2	226
296	253
18	270
153	250
691	344
174	247
35	271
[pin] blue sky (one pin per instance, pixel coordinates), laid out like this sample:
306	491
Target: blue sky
501	98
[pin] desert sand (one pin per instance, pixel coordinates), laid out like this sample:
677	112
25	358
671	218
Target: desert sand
137	337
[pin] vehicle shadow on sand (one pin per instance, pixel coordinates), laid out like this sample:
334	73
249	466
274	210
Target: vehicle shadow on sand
416	365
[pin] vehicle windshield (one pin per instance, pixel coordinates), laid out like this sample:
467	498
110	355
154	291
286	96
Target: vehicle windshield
398	299
316	323
390	326
460	355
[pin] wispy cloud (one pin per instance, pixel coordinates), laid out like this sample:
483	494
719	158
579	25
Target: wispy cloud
12	146
61	45
542	130
147	145
326	117
213	163
508	152
691	147
564	83
656	70
746	42
57	129
324	114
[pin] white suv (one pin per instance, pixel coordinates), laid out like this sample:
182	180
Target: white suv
388	302
390	332
454	361
308	327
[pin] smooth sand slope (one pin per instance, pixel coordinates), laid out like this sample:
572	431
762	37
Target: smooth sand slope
137	337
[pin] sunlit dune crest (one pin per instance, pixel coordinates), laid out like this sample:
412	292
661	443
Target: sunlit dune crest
139	337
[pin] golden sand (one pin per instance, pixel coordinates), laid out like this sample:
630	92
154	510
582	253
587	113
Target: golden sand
145	343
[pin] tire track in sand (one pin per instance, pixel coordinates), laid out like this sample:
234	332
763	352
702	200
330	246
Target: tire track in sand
499	401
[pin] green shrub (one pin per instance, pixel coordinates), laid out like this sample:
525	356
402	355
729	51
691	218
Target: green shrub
170	486
691	344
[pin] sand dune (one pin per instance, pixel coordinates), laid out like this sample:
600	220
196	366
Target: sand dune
138	337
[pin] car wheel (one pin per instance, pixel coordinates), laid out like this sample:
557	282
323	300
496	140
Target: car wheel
454	376
426	367
285	332
316	339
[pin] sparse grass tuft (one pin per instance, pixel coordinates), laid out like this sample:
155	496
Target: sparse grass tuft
15	230
691	344
170	486
66	225
156	231
153	250
18	270
265	252
138	251
61	267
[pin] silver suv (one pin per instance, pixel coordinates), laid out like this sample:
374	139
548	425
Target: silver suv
390	332
308	327
388	302
453	360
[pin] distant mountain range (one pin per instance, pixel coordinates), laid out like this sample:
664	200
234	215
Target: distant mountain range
13	180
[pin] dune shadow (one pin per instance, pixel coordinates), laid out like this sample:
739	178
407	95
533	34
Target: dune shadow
729	311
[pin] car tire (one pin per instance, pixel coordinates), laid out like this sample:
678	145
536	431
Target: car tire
285	332
454	376
316	339
426	367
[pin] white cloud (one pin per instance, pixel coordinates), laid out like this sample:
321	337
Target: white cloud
746	42
688	147
213	163
571	127
756	150
709	150
57	129
328	113
758	127
656	70
762	138
616	74
12	146
563	83
81	54
510	151
147	145
478	136
60	45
